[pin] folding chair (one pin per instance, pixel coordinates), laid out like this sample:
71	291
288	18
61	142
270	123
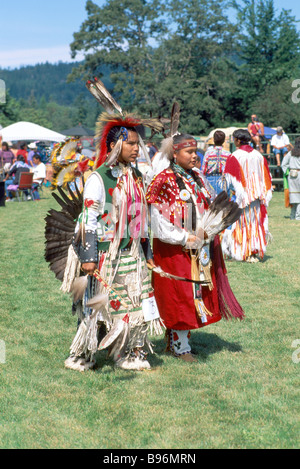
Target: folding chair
25	184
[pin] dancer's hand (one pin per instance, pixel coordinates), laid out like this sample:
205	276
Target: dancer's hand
151	263
193	242
89	267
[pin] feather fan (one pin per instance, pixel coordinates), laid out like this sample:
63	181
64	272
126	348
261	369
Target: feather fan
65	175
59	229
68	150
221	213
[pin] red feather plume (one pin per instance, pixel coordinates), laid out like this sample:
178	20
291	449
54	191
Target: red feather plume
105	124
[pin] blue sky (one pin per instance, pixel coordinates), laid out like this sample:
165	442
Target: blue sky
35	32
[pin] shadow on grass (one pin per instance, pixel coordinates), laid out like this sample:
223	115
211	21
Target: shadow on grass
266	258
106	365
204	345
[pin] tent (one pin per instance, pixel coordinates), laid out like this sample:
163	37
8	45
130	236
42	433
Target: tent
28	131
228	131
269	132
79	131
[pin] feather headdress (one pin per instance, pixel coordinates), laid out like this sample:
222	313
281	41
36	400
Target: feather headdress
103	96
175	118
115	117
107	121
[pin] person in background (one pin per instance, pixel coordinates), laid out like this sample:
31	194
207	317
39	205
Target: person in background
152	149
13	176
23	151
280	142
14	149
39	174
6	157
291	163
32	150
247	173
198	162
214	162
257	131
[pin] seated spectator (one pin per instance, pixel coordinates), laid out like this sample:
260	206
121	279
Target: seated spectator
280	142
13	176
257	132
39	174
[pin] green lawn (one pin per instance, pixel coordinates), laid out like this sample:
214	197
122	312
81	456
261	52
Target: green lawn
242	393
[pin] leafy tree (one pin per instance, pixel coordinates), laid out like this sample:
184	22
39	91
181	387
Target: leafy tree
155	61
8	110
276	107
269	46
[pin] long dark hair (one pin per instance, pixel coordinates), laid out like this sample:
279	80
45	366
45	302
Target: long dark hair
296	150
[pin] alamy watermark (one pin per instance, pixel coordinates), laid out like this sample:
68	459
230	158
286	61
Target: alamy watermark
2	352
296	353
296	93
2	92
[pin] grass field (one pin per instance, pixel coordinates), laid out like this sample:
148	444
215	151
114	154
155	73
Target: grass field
242	393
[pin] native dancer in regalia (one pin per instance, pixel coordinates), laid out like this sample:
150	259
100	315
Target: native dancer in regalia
104	263
248	175
185	226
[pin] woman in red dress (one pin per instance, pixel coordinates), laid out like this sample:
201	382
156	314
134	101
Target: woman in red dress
179	200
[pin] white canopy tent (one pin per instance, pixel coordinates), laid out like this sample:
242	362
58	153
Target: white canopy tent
29	131
228	131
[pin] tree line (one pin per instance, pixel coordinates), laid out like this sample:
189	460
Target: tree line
222	61
42	94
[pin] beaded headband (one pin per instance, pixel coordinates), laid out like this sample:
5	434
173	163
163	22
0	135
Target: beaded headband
185	144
